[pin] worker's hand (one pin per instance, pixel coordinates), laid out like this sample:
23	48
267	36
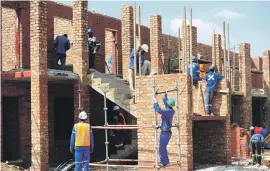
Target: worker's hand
154	100
71	150
92	150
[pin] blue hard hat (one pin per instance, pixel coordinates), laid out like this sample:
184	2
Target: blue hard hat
90	30
194	58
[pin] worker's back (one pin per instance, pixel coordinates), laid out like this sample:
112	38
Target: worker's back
212	79
62	44
195	71
82	134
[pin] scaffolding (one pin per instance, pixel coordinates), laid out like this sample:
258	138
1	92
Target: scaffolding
156	126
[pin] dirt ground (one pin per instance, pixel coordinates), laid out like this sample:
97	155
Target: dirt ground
6	167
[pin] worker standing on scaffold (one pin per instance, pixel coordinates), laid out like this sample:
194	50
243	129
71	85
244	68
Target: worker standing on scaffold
166	133
212	80
83	139
195	70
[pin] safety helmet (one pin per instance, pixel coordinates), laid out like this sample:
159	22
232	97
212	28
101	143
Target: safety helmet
90	30
251	128
116	108
83	115
145	47
171	102
212	67
194	58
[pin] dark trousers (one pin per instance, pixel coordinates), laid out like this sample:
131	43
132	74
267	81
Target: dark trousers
119	137
256	151
163	142
62	58
92	60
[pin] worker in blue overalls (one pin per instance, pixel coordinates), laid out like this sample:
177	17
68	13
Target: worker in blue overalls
166	133
195	70
82	140
212	79
256	146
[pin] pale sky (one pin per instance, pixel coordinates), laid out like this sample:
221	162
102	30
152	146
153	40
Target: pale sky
249	21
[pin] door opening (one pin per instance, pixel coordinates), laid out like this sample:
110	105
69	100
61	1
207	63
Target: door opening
257	112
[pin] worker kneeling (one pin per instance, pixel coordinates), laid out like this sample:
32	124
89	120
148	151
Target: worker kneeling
212	80
256	145
83	139
195	70
166	133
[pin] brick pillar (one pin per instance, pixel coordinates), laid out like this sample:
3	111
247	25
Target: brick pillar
39	85
266	74
245	75
127	37
157	64
217	59
194	45
80	53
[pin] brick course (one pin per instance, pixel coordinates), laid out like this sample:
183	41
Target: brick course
266	71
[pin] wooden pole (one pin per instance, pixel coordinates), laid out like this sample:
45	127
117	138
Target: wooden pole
139	35
229	58
214	50
233	70
224	60
169	56
185	39
190	47
179	48
135	46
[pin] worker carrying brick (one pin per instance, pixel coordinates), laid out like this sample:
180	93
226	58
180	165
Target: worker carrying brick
145	64
82	140
166	133
93	47
195	70
212	79
256	146
119	120
61	45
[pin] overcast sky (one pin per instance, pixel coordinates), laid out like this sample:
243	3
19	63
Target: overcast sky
249	21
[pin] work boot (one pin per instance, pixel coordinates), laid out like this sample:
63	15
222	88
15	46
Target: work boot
254	159
162	165
259	160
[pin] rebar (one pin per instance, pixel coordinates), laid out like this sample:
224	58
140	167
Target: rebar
214	50
233	70
178	121
190	48
155	124
139	35
224	60
229	58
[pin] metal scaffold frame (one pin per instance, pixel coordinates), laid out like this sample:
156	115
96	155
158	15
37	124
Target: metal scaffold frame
106	127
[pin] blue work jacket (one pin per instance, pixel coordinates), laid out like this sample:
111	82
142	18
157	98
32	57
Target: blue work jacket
257	137
212	79
195	71
78	148
131	62
166	115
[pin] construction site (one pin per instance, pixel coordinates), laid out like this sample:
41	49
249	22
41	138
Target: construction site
41	103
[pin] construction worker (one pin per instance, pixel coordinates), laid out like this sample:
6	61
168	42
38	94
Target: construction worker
145	64
119	120
166	133
212	80
61	45
195	70
93	47
256	146
82	140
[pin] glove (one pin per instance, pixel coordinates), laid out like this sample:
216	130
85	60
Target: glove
154	100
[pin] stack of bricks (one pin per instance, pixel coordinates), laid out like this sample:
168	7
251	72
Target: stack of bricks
186	61
146	139
217	59
246	87
80	53
157	64
39	85
266	73
127	37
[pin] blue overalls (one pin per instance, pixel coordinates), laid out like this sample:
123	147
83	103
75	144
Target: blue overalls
212	79
131	61
165	136
195	72
256	145
82	153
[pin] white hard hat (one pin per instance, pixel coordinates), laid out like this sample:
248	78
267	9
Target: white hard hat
83	115
251	128
116	108
145	47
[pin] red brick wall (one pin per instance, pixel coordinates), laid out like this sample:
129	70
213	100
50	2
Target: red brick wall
146	140
257	63
257	80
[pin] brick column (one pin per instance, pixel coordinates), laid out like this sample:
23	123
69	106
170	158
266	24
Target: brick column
157	64
266	74
127	37
217	59
80	53
39	85
245	75
194	45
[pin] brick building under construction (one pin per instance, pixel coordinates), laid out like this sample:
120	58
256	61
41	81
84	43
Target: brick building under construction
36	98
